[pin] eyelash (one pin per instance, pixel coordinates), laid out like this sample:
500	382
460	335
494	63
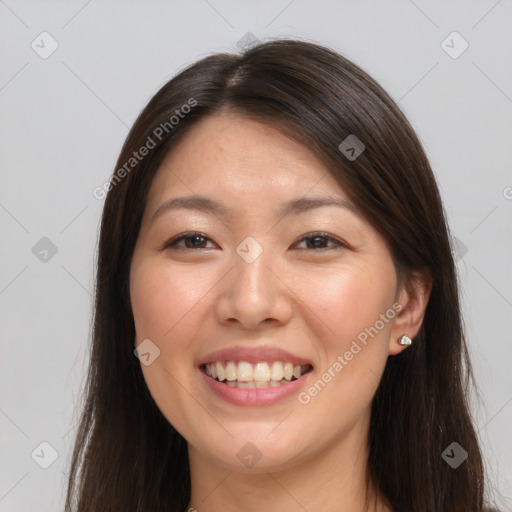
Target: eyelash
172	244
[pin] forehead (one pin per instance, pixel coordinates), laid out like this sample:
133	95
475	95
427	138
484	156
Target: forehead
238	159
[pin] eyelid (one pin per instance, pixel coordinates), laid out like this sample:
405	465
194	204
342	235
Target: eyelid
322	234
169	243
178	238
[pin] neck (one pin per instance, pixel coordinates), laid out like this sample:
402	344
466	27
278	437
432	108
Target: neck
335	480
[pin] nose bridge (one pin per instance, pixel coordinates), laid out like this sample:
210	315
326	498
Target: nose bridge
252	293
251	272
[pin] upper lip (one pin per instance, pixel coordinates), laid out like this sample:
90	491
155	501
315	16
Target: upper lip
252	354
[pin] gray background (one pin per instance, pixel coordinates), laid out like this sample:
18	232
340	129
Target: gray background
63	120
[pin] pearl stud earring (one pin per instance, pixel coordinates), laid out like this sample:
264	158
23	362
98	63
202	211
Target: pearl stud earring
404	340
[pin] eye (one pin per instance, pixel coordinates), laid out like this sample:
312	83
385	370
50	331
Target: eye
316	240
194	240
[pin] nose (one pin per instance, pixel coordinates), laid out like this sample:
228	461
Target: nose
254	293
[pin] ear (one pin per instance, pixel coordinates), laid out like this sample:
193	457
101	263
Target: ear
413	294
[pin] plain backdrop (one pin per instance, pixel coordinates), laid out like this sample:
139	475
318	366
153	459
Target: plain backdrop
64	116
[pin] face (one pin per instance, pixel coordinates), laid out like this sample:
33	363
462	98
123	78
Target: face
295	309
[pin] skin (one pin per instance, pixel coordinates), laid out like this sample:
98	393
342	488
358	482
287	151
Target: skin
310	301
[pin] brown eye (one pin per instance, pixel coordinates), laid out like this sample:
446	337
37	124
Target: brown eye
192	241
318	241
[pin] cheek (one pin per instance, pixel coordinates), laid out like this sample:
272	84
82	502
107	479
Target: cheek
350	300
164	299
354	305
166	307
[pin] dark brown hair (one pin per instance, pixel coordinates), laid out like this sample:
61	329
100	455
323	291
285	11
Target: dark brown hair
127	457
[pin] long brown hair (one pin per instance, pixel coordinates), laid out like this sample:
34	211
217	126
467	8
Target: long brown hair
127	457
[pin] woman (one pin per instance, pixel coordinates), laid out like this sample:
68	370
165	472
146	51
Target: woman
277	318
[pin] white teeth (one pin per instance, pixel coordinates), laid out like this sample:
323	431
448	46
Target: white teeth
231	371
276	372
260	375
261	372
245	371
220	371
288	371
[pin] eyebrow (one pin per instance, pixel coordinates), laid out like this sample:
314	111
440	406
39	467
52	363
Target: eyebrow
211	206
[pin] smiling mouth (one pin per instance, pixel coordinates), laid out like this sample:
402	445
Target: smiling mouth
241	374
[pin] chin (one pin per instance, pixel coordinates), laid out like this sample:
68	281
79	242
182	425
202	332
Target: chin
251	451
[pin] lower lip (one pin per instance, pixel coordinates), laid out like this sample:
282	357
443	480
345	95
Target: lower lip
254	397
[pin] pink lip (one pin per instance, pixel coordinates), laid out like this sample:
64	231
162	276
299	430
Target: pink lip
252	354
254	397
